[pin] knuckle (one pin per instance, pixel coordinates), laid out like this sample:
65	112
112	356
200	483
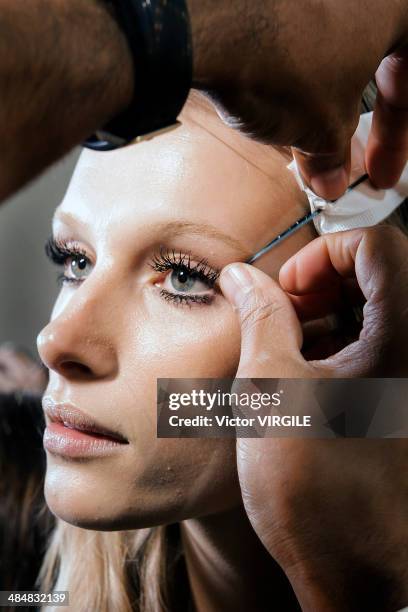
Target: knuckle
258	309
381	233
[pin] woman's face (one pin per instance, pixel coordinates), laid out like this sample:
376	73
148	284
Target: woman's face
128	313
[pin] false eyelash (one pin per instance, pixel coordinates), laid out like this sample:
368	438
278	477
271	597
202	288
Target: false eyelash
60	252
170	260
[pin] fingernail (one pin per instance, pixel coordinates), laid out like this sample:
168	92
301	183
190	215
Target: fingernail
236	279
331	184
285	267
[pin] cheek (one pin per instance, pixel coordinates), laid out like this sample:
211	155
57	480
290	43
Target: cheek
181	342
168	341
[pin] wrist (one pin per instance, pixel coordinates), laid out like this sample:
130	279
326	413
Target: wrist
90	62
116	63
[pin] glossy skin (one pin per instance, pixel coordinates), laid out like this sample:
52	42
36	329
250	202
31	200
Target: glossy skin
113	334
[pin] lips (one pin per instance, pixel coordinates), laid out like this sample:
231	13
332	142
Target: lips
71	418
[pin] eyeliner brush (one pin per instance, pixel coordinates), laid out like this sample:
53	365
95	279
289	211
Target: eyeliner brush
298	224
288	232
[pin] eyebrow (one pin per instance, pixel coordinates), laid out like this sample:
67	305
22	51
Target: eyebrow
173	229
177	228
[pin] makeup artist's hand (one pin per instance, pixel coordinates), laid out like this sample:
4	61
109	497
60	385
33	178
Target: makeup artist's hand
332	512
295	74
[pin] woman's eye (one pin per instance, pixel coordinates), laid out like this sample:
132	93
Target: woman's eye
183	281
77	268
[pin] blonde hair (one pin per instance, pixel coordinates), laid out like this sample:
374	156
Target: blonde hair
110	571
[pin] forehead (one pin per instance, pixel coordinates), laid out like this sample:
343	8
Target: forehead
191	174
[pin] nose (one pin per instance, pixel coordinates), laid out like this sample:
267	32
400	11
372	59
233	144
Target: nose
77	344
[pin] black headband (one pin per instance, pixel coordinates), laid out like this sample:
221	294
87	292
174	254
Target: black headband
159	37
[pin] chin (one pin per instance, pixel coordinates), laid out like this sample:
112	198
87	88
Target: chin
105	505
113	495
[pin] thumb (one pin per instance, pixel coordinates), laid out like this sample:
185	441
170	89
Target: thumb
325	168
271	334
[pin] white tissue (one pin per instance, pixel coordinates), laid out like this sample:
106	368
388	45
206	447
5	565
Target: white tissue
364	205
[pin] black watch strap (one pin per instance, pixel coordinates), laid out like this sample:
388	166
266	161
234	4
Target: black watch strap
159	37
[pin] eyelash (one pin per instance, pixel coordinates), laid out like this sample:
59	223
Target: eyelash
59	253
164	261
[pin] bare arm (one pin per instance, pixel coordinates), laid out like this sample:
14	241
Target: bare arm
65	70
289	73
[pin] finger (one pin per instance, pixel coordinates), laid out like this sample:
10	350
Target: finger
328	174
328	301
378	257
326	336
314	305
271	334
323	263
387	148
319	328
374	256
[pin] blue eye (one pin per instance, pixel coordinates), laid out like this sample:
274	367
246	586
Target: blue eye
77	267
186	282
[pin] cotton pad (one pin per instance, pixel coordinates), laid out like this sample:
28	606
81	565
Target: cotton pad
362	206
